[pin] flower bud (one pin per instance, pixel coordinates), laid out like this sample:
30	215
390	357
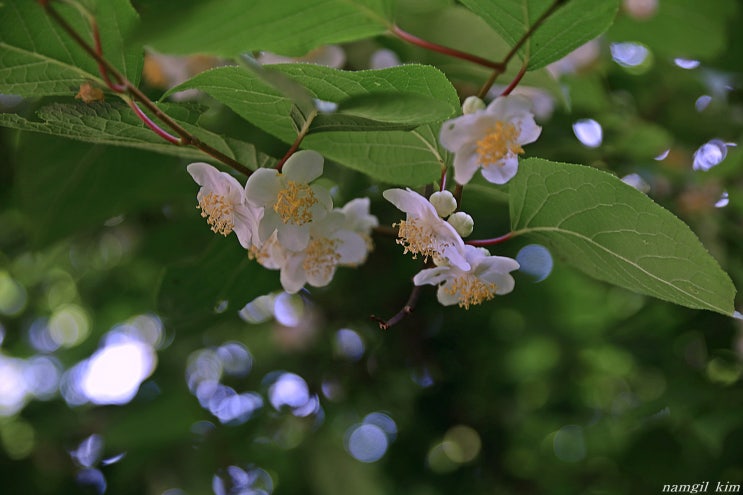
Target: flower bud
472	104
444	203
462	223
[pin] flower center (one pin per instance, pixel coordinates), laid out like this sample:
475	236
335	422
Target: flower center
470	290
499	142
293	203
321	257
218	213
417	239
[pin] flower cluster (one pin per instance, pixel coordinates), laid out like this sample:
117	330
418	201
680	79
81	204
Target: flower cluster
465	275
285	222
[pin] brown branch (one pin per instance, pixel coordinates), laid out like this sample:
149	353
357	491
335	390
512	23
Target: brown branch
405	311
300	136
123	85
524	38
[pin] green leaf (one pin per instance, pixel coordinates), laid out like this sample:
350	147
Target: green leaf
417	95
103	123
38	58
288	27
392	155
703	35
410	158
571	25
190	290
66	187
617	234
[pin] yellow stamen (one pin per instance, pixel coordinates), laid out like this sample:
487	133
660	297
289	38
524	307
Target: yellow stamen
321	257
499	142
418	240
471	290
294	202
218	213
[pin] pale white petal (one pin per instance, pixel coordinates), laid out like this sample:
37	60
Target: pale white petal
445	298
303	166
352	248
503	171
529	131
509	107
408	201
321	278
358	217
268	224
432	276
245	222
263	186
457	132
466	163
294	237
292	275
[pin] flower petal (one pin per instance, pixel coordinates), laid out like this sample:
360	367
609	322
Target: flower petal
503	171
263	186
431	276
292	275
303	166
466	163
294	237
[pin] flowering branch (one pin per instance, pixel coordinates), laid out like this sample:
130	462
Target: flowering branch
300	136
524	38
121	85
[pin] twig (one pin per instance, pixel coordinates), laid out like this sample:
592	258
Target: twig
123	85
490	242
405	311
516	80
300	136
410	38
504	63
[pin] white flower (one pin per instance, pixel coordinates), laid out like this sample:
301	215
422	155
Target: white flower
490	139
424	232
340	238
488	276
222	202
330	245
290	203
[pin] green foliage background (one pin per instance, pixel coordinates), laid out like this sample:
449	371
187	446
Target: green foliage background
573	385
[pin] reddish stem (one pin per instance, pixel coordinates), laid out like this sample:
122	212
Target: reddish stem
490	242
405	311
119	86
516	81
152	125
410	38
126	86
442	184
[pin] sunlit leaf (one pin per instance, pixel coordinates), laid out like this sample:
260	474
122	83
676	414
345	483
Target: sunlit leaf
573	23
615	233
289	27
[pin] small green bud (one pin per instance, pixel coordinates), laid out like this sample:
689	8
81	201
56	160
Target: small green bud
444	203
472	104
462	223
